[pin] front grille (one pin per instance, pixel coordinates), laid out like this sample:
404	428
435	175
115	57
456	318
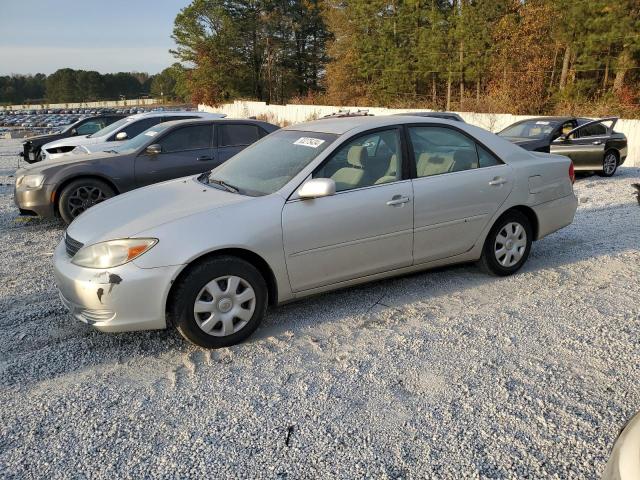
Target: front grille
71	245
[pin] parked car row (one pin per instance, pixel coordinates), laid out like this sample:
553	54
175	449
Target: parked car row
214	219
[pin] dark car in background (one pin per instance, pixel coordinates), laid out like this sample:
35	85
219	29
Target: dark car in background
442	115
592	145
32	147
174	149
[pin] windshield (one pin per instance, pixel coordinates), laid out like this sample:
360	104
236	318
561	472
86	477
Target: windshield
111	128
530	129
66	128
137	142
268	165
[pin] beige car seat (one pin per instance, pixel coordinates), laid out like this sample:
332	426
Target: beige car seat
433	165
351	177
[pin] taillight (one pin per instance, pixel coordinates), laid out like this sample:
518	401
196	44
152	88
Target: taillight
572	173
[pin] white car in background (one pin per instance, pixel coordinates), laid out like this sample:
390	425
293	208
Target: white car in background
116	133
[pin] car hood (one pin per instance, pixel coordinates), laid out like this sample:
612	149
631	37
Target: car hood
40	139
142	209
65	159
74	141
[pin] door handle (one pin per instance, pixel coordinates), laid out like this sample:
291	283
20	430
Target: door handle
497	181
397	200
204	158
597	142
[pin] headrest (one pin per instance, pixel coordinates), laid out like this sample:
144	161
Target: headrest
426	158
464	160
357	156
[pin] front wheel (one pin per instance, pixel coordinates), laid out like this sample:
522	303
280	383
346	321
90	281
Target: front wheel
219	303
508	244
609	164
80	195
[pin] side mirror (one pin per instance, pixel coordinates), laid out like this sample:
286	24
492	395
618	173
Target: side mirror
121	136
317	187
154	149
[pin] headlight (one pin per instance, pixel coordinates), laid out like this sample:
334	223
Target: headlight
112	253
30	181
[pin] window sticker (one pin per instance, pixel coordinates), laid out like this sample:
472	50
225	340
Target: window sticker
542	122
309	142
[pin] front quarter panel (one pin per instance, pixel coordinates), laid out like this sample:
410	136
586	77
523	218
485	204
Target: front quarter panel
254	225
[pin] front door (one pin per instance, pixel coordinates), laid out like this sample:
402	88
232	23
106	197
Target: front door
365	228
185	151
459	185
584	145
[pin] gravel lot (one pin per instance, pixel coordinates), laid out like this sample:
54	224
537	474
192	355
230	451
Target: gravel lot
446	374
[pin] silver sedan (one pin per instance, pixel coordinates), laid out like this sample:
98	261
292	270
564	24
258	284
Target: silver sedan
307	209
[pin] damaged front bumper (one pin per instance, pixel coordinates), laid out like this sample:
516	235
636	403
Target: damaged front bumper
120	299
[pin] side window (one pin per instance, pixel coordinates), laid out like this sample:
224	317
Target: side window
593	130
441	150
234	135
365	161
90	127
136	128
485	158
187	138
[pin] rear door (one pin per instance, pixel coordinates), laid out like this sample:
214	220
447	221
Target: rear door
185	151
233	137
458	186
584	145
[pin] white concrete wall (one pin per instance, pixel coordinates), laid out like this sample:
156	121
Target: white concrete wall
111	103
290	114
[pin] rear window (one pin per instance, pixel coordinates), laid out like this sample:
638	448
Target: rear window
232	135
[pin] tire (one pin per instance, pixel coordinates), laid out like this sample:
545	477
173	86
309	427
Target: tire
81	195
609	164
493	261
216	317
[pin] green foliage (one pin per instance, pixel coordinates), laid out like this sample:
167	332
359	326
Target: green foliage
265	49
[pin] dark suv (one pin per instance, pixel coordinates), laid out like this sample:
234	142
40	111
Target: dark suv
32	148
165	151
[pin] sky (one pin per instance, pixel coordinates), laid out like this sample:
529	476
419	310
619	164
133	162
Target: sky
41	36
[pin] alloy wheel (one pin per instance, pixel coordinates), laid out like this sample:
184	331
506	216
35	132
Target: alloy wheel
224	306
609	164
510	244
83	198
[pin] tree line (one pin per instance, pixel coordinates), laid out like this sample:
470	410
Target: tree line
70	86
518	56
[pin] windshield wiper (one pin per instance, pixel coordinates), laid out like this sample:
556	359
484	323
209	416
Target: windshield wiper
110	151
222	183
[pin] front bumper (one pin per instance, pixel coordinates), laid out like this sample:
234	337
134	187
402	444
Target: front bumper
120	299
35	201
555	214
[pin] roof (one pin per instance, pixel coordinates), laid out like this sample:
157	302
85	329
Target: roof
339	126
165	113
354	125
196	121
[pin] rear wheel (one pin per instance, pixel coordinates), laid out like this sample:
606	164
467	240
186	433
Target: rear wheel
609	164
508	244
219	303
80	195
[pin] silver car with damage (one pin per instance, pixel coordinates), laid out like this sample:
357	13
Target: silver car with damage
307	209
